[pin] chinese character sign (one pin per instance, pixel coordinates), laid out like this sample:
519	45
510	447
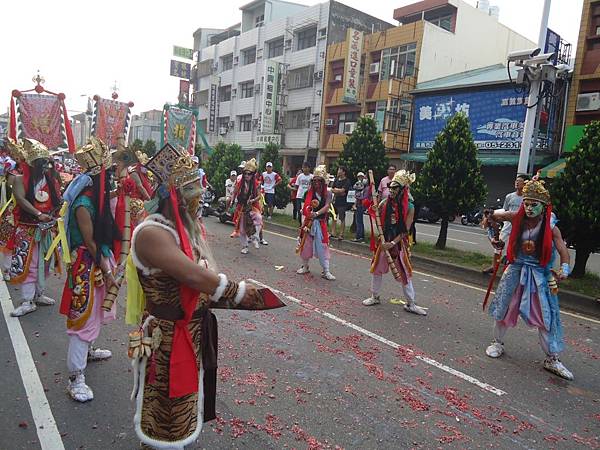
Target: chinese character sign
213	104
180	69
179	127
354	41
184	92
497	117
182	52
270	94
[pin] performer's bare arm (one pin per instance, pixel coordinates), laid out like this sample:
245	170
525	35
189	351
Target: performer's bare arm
560	247
325	207
19	193
233	196
500	216
408	223
86	228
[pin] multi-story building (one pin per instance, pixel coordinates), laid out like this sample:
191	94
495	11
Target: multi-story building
435	38
262	80
146	125
81	124
3	126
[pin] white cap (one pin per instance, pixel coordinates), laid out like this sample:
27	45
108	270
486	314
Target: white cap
360	174
242	164
233	172
195	159
269	164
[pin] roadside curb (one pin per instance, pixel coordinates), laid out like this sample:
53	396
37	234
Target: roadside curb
569	300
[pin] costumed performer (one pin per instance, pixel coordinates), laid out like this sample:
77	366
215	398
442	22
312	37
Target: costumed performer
314	238
38	199
8	170
528	287
171	276
248	212
397	213
90	231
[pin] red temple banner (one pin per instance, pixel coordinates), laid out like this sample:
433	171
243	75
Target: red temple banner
110	120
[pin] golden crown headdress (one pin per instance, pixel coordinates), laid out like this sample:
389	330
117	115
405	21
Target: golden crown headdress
15	150
321	171
250	165
124	154
534	189
173	168
33	150
142	157
93	156
403	178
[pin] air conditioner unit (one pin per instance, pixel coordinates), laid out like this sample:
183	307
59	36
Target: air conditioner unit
231	124
288	44
588	102
329	122
222	130
349	127
318	75
374	68
370	115
233	93
338	77
215	67
236	59
256	88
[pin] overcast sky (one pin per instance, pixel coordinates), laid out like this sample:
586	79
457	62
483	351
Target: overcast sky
82	47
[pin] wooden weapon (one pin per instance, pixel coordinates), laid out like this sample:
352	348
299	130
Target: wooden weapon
306	226
493	232
380	236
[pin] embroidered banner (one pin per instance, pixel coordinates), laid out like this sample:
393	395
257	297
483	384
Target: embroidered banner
40	118
179	128
110	120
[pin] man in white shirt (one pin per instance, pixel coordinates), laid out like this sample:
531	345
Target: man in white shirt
303	183
270	180
230	185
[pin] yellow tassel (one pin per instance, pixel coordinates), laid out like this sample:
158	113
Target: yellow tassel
136	300
332	211
61	238
6	205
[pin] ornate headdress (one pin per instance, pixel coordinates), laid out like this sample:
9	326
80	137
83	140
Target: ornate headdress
173	168
33	150
142	157
534	189
124	154
15	150
403	178
250	165
93	156
321	171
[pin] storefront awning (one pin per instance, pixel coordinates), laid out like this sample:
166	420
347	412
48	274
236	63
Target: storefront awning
486	160
554	169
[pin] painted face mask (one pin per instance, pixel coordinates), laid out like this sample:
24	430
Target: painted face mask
191	194
394	191
533	209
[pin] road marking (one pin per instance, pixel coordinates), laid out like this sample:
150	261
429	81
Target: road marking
452	229
457	283
448	238
394	345
45	424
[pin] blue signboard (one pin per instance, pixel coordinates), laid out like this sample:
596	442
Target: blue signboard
497	117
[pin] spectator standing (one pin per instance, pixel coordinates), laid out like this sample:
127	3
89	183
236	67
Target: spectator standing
340	189
270	179
230	186
296	214
383	189
302	183
361	188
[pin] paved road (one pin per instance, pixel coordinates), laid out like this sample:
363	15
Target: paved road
324	372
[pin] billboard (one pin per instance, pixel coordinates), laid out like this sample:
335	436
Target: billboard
354	41
497	117
182	52
270	92
180	69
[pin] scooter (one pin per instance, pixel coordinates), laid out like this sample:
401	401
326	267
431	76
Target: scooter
208	197
225	215
472	218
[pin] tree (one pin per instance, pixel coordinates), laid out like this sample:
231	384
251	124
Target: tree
224	159
363	150
137	145
282	191
450	180
149	148
576	198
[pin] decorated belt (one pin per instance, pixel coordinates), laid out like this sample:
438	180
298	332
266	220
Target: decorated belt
169	312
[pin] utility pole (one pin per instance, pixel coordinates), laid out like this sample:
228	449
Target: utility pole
530	126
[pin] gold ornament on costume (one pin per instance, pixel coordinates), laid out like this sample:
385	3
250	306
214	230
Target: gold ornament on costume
534	189
33	150
124	154
94	156
136	208
173	168
15	149
250	165
321	171
142	157
403	178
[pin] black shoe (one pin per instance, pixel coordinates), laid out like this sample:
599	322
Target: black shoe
358	240
488	271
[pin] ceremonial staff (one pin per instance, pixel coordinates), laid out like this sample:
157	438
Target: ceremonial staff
380	236
306	226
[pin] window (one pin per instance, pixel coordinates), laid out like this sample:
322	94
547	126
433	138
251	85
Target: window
300	78
223	122
225	93
248	56
227	62
306	38
444	22
275	48
398	116
259	21
247	89
297	119
398	62
345	118
245	122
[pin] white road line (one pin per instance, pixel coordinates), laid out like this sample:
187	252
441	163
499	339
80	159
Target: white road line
45	424
457	283
452	229
394	345
448	238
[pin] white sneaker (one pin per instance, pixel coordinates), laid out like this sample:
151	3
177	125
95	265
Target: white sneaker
415	309
244	251
98	354
44	300
263	242
256	243
495	350
328	276
553	364
372	300
78	390
5	276
24	308
302	270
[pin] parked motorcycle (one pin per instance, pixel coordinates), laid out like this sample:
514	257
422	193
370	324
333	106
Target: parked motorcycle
225	215
208	197
472	218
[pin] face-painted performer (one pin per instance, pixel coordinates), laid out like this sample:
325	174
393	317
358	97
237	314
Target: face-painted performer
396	214
248	213
528	288
171	276
90	231
314	238
38	200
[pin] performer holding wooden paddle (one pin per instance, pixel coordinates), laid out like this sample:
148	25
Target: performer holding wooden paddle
393	218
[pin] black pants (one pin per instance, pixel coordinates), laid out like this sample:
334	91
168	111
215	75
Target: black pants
297	213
